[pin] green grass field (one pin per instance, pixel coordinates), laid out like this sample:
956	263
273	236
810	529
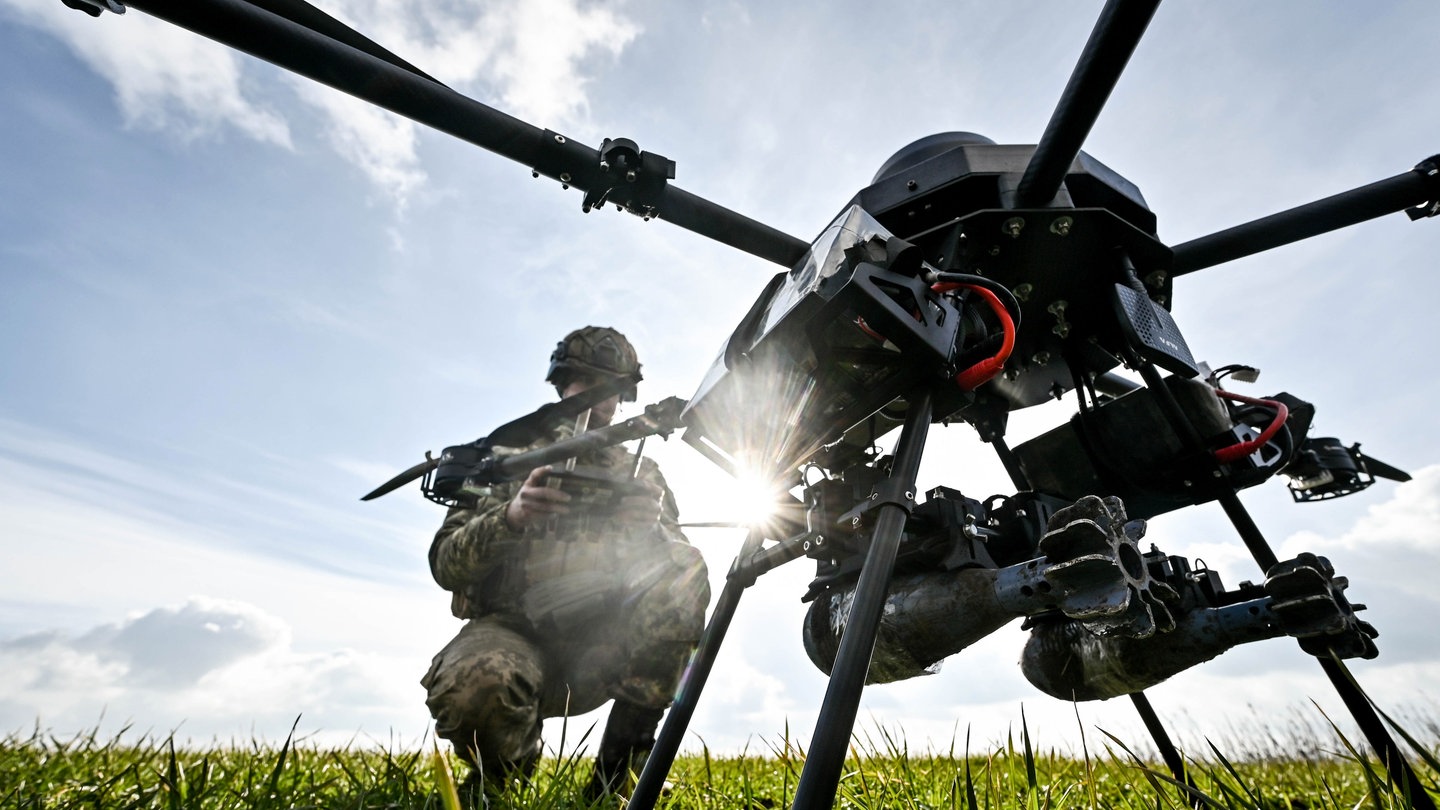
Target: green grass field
38	770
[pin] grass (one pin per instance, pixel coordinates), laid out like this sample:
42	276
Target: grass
39	770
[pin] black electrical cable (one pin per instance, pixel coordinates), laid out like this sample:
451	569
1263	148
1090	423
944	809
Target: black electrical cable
1002	292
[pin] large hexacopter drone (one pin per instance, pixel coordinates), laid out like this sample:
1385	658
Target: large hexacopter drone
970	279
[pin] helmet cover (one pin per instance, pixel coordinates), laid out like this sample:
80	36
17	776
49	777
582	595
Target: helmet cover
593	351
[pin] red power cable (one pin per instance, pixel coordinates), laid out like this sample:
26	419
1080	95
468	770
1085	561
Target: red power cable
985	370
1235	452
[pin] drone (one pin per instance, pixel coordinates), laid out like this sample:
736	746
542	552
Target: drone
968	280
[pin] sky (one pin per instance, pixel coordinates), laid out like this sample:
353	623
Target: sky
233	301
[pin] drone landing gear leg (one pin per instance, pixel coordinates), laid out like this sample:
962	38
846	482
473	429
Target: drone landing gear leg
1168	751
1345	684
1161	738
1354	698
831	741
672	732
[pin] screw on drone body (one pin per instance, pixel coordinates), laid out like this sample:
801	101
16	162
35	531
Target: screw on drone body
630	176
1022	291
1057	392
1013	226
1011	374
911	185
1040	358
534	173
1061	226
994	250
1061	329
604	165
560	139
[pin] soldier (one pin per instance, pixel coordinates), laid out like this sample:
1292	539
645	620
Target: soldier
571	599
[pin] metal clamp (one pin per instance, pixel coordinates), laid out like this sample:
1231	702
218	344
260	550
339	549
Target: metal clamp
632	179
1429	168
889	492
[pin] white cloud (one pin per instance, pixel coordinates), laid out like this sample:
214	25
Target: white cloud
165	78
213	667
540	70
534	59
1407	522
379	143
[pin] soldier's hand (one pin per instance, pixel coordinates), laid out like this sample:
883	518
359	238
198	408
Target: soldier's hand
641	509
535	501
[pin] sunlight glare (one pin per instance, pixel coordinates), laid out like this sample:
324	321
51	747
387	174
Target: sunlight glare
750	499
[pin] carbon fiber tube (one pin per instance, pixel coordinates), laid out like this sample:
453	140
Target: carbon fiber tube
831	741
1113	40
1312	219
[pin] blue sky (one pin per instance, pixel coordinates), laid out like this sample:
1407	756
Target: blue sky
233	302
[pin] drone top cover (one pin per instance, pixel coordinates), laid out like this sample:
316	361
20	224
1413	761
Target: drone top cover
849	329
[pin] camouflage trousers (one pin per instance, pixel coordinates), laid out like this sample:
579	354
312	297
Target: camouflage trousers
505	672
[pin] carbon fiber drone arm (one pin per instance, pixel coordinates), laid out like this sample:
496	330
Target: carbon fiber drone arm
1417	192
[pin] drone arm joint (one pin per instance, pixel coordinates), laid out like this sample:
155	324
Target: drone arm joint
1429	169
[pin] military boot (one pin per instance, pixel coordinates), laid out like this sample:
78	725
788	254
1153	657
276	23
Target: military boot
629	736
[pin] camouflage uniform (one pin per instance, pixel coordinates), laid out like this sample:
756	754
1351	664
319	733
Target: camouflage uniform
562	616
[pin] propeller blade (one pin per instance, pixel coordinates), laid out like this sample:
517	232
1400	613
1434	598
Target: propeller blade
1380	469
412	474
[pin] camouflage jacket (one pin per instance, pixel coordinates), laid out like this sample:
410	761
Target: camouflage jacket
576	561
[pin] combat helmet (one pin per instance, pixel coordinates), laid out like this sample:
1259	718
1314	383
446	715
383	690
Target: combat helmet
597	351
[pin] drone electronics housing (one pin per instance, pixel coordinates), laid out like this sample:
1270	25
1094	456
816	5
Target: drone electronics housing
849	329
955	196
